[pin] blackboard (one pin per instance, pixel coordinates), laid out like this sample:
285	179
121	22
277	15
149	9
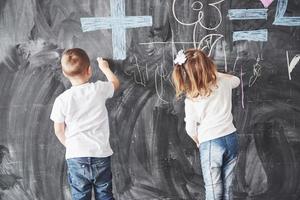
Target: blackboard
153	157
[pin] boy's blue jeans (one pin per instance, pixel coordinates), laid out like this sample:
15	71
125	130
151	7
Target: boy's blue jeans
218	159
86	173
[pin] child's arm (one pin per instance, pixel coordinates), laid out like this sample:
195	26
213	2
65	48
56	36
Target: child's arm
190	123
234	80
104	67
195	140
59	129
191	129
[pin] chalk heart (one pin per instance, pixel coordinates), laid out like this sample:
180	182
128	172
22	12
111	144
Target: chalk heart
266	3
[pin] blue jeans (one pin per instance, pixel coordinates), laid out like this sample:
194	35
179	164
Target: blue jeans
218	159
86	173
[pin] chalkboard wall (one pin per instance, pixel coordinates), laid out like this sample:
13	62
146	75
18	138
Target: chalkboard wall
153	157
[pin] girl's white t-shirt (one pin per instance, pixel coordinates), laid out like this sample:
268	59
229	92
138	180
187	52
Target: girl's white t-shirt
83	110
210	117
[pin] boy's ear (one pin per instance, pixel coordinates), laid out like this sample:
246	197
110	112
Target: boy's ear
64	74
89	70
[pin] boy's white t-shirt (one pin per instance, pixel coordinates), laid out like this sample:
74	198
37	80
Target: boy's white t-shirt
83	110
210	117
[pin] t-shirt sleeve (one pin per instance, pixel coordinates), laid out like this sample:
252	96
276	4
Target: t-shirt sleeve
190	121
106	88
57	114
234	81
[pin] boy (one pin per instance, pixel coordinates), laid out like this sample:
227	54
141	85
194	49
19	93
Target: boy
81	125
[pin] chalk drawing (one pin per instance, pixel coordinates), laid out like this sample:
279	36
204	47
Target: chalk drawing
200	14
256	72
147	43
266	3
235	62
241	77
140	77
255	35
225	57
247	14
209	41
160	76
291	65
242	88
118	22
280	19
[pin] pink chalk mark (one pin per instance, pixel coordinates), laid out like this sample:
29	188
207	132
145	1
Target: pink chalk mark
242	88
266	2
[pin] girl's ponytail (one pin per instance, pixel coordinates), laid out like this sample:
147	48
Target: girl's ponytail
178	77
194	74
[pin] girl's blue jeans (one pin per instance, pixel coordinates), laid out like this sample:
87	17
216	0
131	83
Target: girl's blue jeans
85	173
218	159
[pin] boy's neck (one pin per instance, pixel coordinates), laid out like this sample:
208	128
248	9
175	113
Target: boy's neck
78	81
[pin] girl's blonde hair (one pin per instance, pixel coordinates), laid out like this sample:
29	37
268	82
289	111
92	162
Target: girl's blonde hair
196	77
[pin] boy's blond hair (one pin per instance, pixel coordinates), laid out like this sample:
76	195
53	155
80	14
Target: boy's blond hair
75	62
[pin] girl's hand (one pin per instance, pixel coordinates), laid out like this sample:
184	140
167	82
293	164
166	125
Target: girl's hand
196	140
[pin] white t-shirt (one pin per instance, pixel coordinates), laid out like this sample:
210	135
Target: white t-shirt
210	117
83	110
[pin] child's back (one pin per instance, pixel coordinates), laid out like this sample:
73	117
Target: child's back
212	114
81	124
208	118
83	110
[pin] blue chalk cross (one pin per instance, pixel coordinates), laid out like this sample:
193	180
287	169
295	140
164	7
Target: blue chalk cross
118	22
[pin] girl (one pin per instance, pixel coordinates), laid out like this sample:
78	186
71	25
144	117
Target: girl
208	118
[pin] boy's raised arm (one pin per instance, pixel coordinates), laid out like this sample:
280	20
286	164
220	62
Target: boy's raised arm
104	67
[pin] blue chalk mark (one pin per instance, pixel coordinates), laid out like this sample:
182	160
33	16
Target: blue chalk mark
97	23
118	22
255	35
247	14
280	19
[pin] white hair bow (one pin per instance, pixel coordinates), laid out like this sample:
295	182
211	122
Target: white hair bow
180	58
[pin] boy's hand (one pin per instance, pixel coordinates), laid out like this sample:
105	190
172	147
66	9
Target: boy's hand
104	67
103	64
